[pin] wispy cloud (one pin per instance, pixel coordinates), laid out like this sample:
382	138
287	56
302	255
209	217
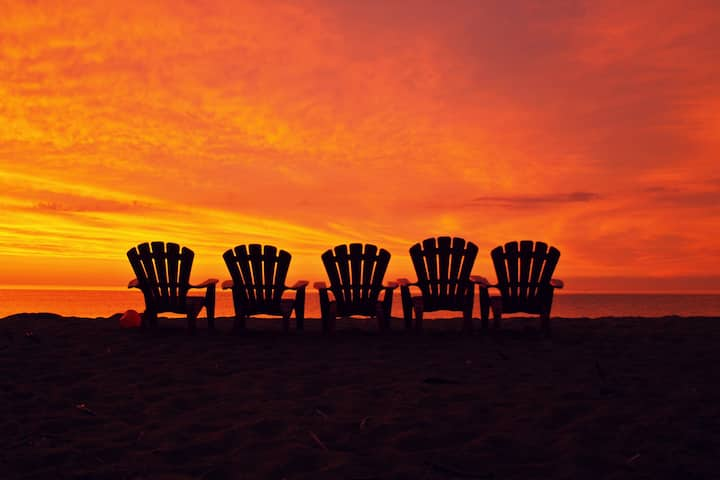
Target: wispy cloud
215	123
538	201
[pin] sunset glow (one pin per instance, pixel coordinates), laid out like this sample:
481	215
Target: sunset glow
593	126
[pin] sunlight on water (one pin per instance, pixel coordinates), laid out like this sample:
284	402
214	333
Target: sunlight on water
86	303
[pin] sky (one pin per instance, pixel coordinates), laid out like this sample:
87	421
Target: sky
591	125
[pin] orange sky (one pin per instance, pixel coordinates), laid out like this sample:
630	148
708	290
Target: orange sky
594	126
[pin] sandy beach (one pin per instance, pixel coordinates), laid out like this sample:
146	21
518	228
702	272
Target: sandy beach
603	398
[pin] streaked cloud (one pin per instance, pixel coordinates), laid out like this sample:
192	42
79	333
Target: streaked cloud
592	125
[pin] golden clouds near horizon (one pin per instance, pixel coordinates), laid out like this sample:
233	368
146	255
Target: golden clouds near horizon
310	125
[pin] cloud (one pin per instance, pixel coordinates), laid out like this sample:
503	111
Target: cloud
511	201
218	123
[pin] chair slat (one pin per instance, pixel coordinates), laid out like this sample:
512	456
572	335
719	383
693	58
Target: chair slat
525	256
232	262
269	262
503	280
418	259
511	256
343	265
551	262
430	253
283	265
539	255
172	253
369	282
255	258
381	264
151	275
471	251
456	260
356	261
159	259
186	262
443	256
243	261
331	267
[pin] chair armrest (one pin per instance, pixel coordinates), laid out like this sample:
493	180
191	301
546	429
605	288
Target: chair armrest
320	285
134	283
299	284
404	282
557	283
227	284
482	281
206	283
390	285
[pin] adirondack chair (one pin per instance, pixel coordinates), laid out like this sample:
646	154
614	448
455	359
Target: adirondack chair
443	267
524	279
356	280
258	282
162	273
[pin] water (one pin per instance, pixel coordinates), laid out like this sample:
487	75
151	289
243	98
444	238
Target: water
95	303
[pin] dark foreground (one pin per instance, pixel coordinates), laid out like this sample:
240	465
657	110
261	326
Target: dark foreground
610	398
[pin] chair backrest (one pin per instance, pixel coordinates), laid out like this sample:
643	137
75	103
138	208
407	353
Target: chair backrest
163	273
356	275
258	273
523	274
443	267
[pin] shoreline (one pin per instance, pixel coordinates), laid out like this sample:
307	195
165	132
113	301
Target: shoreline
603	398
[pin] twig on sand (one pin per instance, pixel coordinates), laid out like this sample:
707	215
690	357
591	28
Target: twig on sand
318	441
321	413
457	472
30	335
85	409
632	459
363	422
502	355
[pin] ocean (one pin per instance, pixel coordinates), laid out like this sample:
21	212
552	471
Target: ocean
103	303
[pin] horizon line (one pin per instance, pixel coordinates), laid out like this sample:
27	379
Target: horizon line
118	288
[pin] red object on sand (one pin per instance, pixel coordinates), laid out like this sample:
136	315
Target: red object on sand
130	319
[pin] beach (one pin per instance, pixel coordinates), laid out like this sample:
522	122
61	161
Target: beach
602	398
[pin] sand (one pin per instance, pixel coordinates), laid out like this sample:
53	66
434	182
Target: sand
603	398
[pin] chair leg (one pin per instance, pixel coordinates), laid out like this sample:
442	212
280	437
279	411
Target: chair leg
239	323
484	308
545	324
380	315
407	306
192	322
467	321
496	305
148	320
286	308
300	310
329	318
286	323
419	307
210	306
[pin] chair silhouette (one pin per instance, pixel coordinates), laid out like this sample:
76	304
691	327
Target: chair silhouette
524	279
443	267
162	273
258	282
356	280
